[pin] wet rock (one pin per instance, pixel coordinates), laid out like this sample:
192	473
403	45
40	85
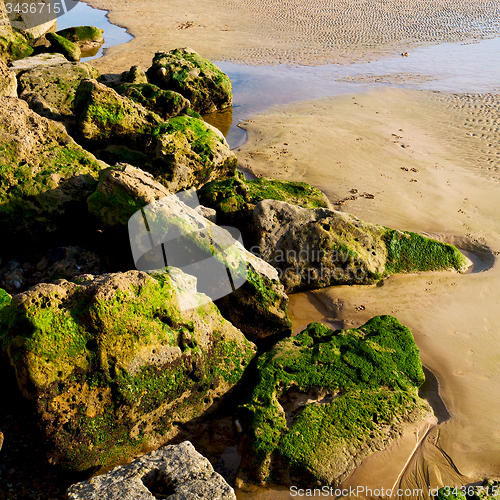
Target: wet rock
62	45
106	117
13	45
50	90
87	38
176	472
326	400
235	198
45	175
197	79
104	362
8	81
314	248
165	103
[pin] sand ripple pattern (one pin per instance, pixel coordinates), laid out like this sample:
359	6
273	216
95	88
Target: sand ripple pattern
475	129
320	27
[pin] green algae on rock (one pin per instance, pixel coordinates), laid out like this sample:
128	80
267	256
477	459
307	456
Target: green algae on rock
105	117
325	400
190	153
85	37
67	48
13	45
451	493
315	248
51	90
235	198
165	103
5	300
115	367
197	79
44	173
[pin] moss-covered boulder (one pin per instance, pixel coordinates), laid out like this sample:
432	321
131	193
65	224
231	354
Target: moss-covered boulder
85	37
235	198
197	79
189	153
13	45
114	367
325	400
8	81
5	300
45	177
50	90
135	75
105	117
258	307
165	103
60	44
314	248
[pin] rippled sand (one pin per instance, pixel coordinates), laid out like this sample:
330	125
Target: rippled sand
430	161
292	31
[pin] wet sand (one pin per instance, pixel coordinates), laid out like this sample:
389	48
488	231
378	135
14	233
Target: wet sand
430	161
295	31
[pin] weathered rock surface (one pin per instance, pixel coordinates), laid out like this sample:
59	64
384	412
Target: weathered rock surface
235	198
8	81
135	75
60	44
37	61
197	79
13	45
165	103
106	117
183	152
115	367
45	176
85	37
258	307
326	400
175	472
50	90
314	248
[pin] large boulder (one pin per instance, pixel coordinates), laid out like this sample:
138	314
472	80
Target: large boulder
87	38
197	79
113	365
8	81
106	117
45	176
50	90
13	45
258	307
37	61
178	471
235	198
314	248
325	400
62	45
189	153
165	103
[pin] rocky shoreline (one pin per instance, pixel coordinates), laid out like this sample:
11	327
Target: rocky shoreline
109	363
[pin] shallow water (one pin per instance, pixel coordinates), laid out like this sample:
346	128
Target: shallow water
85	15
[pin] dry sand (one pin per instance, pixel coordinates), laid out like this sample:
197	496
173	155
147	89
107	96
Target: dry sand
430	161
292	31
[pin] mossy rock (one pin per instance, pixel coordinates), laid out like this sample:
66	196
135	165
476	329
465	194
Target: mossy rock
105	117
81	35
135	75
13	45
196	78
361	387
51	90
5	300
451	493
315	248
235	198
190	153
67	48
45	177
165	103
114	366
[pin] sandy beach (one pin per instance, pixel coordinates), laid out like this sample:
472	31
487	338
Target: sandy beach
412	160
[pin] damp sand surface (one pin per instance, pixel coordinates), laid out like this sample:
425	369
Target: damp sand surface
430	161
